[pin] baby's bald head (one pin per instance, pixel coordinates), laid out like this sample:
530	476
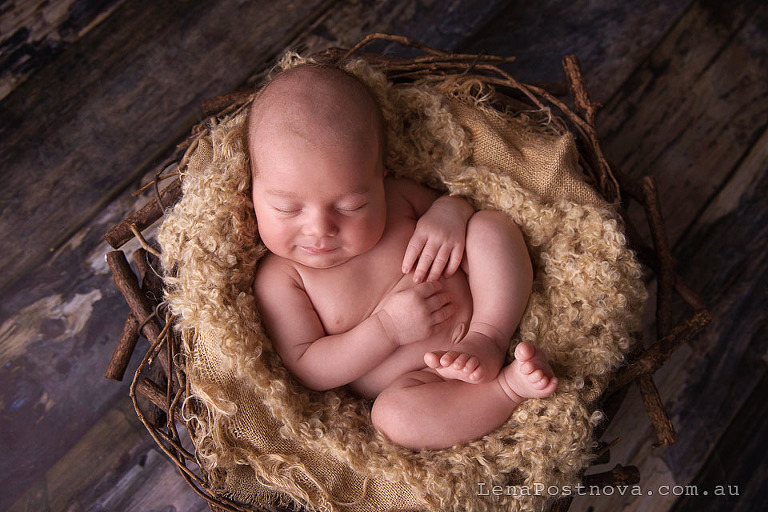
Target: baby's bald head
323	105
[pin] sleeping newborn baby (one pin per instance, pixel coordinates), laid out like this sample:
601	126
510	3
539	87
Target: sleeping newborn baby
381	284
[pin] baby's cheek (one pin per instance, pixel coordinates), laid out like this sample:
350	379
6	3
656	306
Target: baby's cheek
371	232
273	239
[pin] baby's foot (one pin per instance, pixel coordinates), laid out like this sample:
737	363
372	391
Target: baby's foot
470	362
529	375
455	365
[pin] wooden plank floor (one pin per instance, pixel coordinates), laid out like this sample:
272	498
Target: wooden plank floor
95	95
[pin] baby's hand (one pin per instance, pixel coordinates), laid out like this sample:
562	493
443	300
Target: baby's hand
438	240
416	313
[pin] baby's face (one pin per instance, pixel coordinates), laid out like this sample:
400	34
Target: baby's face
319	205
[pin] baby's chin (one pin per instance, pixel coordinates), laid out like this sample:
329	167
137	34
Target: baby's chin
322	260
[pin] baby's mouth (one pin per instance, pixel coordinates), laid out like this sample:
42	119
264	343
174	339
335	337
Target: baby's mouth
317	250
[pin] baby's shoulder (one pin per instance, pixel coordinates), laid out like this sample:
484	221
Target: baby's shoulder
404	189
411	193
274	271
401	186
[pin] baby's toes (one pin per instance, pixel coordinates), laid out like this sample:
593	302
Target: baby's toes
478	372
551	385
472	364
536	377
472	368
524	351
460	363
546	386
527	368
449	358
542	384
432	359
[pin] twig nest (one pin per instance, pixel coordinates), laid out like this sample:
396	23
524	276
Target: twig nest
260	435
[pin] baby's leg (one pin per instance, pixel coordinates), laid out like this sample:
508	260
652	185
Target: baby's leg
422	410
500	275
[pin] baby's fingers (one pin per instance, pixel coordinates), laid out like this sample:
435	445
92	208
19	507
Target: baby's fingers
438	300
457	254
425	290
412	252
439	264
441	317
425	261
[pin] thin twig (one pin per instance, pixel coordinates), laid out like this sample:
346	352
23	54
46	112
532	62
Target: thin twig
124	349
153	393
665	432
589	110
657	413
655	356
406	41
145	217
579	92
143	241
127	283
607	447
665	275
161	175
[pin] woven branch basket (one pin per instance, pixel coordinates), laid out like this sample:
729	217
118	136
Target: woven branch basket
160	385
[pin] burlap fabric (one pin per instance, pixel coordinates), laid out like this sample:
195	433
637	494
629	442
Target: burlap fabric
261	436
546	166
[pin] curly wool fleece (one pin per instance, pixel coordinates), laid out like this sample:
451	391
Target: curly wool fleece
260	435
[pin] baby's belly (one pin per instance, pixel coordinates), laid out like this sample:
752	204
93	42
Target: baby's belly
410	357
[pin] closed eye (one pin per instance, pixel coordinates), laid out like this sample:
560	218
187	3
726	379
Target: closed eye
286	211
352	209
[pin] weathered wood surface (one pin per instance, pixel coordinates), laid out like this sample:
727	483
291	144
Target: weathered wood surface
125	472
34	33
727	252
609	39
738	462
694	109
684	84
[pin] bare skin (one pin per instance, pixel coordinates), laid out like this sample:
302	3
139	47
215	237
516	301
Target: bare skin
381	284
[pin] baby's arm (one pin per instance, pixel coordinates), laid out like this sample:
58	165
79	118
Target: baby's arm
323	361
438	241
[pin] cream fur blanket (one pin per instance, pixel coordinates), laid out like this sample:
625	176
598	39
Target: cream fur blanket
261	436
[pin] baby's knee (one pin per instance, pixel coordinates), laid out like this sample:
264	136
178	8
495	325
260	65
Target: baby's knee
395	419
400	418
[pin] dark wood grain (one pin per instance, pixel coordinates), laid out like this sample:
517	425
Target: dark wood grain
610	39
728	259
698	106
738	467
693	110
33	34
125	473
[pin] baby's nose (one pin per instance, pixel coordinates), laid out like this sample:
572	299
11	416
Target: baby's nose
321	225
